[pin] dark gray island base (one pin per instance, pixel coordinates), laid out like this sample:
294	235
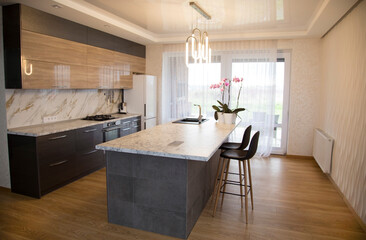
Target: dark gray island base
159	194
160	179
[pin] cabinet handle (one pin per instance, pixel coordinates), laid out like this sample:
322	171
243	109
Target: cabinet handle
93	151
110	129
59	137
30	70
145	110
90	130
58	163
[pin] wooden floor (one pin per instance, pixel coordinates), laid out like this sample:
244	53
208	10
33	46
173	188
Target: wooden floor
292	200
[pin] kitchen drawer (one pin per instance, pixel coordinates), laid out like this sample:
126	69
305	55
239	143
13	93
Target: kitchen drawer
125	131
136	122
88	161
126	123
135	129
56	173
56	146
87	138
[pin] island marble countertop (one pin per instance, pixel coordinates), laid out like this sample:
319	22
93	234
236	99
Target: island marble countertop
183	141
55	127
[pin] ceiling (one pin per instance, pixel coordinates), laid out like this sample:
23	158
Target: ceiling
171	21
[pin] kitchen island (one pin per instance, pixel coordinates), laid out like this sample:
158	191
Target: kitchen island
160	179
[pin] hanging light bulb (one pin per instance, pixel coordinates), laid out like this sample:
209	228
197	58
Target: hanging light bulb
200	48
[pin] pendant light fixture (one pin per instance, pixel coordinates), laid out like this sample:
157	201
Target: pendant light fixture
200	48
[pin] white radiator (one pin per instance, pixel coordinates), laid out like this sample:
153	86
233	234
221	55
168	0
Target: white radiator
322	150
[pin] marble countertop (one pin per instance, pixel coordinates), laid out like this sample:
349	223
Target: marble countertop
55	127
183	141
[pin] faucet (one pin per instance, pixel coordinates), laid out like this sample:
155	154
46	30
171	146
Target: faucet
200	115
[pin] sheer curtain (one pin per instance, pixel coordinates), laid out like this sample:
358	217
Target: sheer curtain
254	61
174	87
183	87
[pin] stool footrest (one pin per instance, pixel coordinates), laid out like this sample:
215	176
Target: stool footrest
236	194
237	183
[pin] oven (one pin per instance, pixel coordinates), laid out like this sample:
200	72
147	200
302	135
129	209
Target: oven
111	130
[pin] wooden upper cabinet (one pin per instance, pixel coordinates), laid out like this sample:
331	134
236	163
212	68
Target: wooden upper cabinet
45	48
100	67
138	64
50	62
122	71
43	51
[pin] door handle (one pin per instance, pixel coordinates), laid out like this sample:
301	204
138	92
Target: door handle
58	163
28	73
90	130
93	151
59	137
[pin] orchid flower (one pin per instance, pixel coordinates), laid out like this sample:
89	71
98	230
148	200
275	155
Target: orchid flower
226	84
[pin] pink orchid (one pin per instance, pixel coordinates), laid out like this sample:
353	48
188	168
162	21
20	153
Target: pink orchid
226	84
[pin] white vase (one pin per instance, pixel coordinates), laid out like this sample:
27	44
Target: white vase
230	118
220	117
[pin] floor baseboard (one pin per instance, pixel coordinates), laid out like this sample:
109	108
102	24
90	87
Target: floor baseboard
299	157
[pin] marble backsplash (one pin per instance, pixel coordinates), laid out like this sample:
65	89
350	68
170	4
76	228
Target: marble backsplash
29	107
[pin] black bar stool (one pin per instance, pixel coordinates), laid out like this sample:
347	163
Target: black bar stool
242	156
244	143
233	146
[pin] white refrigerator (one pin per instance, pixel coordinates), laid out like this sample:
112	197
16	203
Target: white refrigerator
142	99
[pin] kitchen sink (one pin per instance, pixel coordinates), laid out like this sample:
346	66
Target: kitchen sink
190	121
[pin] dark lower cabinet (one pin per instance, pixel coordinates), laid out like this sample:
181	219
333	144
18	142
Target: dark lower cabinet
130	126
39	165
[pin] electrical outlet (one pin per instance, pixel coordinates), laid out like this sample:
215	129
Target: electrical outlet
49	119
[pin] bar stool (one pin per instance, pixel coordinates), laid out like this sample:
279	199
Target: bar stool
233	146
244	143
242	156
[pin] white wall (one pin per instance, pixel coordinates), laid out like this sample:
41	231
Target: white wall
4	160
304	93
343	114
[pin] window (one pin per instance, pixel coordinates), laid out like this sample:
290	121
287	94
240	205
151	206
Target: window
264	93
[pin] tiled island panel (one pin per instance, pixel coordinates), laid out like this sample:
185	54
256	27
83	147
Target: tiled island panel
158	194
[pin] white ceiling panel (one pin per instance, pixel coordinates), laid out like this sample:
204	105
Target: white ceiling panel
170	21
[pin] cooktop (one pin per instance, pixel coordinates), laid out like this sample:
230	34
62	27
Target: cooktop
98	117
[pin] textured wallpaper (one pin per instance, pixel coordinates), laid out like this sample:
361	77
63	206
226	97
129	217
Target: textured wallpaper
29	107
304	93
343	114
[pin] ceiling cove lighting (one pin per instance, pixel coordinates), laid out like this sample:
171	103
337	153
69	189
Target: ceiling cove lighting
200	48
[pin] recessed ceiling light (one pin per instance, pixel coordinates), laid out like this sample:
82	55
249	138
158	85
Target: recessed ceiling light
56	6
